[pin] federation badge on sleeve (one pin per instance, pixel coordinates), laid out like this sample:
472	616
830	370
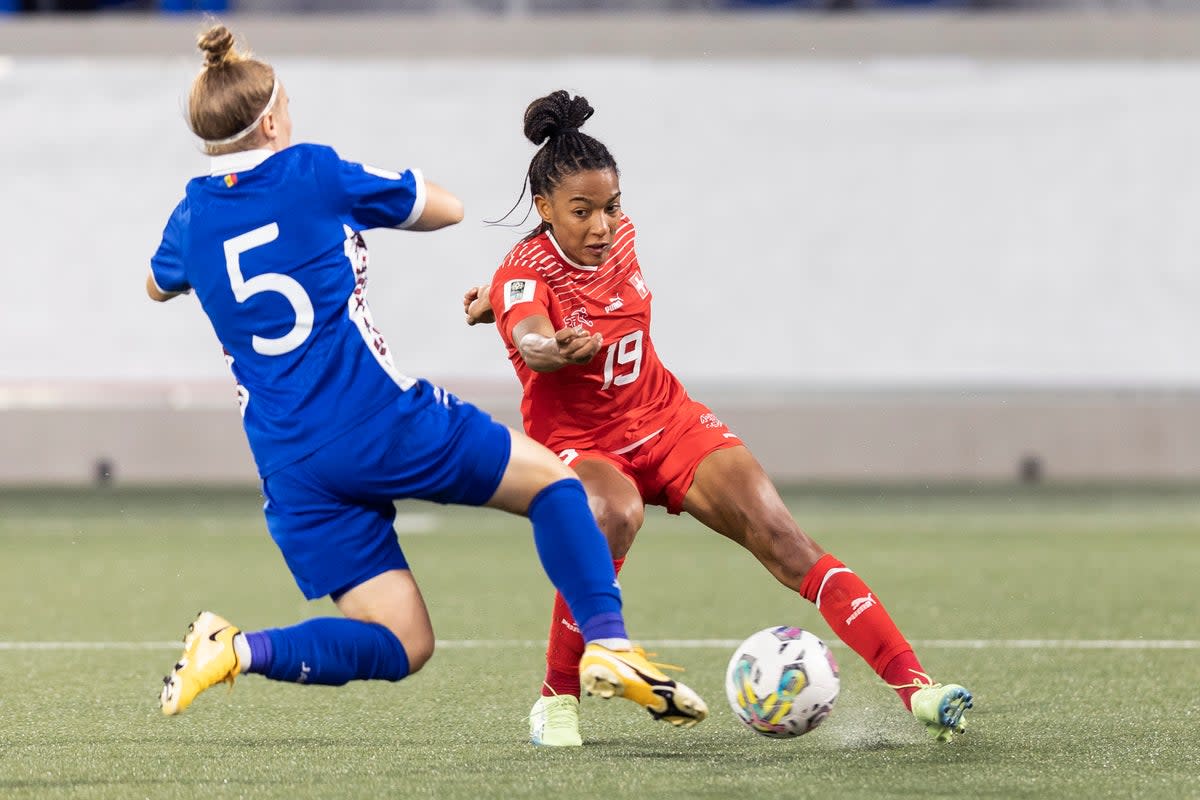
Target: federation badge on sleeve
639	283
518	291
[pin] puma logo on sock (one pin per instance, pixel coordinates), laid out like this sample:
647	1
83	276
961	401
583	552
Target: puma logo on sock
859	605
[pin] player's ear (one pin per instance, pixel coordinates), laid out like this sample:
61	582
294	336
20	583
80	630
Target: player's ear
543	207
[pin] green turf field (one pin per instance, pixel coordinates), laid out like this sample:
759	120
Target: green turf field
97	584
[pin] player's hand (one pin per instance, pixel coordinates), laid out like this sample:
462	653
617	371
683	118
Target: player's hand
478	306
577	347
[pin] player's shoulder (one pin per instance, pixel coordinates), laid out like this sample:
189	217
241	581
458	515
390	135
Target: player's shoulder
300	159
175	230
182	215
623	253
183	208
531	255
311	151
316	165
625	232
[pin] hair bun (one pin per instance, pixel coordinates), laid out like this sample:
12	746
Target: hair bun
555	114
217	45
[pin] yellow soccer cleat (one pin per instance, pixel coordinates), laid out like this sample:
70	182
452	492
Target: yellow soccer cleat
627	673
208	659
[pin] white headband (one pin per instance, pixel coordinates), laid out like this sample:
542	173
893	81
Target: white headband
249	129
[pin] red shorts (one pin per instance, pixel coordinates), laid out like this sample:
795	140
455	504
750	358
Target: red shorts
663	465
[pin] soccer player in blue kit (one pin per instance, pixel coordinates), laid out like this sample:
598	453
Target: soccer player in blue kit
270	243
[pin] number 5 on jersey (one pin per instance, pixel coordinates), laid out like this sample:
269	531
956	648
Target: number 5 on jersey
285	285
626	350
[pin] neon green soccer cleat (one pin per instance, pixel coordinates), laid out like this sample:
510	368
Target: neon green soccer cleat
554	721
940	708
208	659
627	673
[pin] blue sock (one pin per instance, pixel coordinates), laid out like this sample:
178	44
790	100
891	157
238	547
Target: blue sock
576	558
328	651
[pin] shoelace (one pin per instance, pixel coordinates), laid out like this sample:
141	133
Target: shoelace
641	652
553	710
928	683
556	713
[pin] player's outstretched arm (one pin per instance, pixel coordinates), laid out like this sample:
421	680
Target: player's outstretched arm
442	209
546	350
477	305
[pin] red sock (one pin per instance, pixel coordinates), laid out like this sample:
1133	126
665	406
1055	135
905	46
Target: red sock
859	619
900	672
565	648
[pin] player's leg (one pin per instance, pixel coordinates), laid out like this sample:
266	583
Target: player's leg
732	494
572	550
617	506
326	651
575	557
335	546
393	599
343	546
385	635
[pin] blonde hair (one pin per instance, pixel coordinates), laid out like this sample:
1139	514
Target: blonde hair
230	95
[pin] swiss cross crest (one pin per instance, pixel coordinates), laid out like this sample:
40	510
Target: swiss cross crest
639	283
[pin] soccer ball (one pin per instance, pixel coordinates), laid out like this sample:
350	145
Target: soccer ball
782	682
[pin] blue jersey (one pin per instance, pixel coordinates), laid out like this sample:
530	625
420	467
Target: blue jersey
272	246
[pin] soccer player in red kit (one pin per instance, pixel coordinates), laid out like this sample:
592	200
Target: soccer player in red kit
573	307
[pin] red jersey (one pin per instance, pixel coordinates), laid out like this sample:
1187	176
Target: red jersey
624	394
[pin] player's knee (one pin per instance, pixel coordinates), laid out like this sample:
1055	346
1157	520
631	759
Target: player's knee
416	638
554	469
620	522
539	460
419	649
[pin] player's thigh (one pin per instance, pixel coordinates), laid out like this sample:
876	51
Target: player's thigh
448	451
432	447
730	491
330	543
394	600
614	498
666	467
531	467
732	494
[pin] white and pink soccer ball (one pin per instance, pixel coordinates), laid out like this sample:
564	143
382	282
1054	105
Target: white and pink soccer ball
782	682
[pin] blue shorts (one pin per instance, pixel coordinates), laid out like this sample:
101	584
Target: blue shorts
331	513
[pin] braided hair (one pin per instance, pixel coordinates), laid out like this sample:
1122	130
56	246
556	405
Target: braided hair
553	122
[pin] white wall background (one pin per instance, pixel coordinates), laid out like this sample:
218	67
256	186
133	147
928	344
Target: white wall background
915	222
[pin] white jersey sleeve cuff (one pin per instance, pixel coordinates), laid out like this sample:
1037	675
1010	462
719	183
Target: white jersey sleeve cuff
418	203
154	280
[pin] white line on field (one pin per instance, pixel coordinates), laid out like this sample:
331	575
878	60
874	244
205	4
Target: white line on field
1060	644
977	644
701	644
89	645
